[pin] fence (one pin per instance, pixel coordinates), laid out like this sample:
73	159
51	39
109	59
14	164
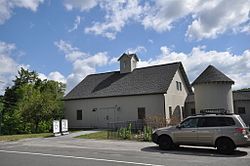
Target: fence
127	128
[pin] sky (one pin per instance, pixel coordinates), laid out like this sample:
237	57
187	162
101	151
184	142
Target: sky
66	40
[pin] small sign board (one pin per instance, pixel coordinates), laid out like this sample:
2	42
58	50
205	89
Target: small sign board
56	127
64	123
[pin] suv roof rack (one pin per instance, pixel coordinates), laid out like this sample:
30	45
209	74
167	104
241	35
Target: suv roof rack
218	111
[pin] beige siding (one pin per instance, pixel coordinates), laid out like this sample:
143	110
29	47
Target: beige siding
116	108
213	96
130	64
175	98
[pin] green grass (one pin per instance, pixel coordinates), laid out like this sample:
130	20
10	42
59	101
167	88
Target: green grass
23	136
97	135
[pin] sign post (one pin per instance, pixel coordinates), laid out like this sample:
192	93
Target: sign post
56	127
64	130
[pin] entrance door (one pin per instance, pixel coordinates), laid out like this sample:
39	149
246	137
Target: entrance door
106	115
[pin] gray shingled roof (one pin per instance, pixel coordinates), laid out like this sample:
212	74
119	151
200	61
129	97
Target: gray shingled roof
210	75
147	80
129	55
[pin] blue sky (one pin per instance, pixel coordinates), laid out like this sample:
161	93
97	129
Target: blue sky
69	39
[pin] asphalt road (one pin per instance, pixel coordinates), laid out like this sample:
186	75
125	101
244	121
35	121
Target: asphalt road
65	151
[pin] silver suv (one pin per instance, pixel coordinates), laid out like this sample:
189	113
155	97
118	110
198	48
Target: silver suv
224	131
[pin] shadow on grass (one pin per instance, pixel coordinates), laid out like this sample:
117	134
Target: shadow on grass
193	151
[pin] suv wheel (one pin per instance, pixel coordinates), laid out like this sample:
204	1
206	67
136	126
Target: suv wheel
225	146
165	142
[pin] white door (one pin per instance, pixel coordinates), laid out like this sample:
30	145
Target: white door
106	115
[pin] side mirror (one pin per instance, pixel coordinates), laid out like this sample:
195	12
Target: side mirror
178	126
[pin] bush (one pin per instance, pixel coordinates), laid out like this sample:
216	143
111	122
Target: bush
147	133
125	133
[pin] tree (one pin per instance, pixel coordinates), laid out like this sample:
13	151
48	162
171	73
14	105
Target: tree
31	104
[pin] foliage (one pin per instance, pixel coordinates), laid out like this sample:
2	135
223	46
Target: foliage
31	104
245	90
125	133
147	132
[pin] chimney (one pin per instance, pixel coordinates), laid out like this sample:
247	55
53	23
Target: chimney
128	62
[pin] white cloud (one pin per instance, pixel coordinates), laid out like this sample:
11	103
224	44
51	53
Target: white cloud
118	14
76	24
71	53
217	17
7	7
138	49
163	14
237	67
56	76
9	67
207	19
82	5
83	63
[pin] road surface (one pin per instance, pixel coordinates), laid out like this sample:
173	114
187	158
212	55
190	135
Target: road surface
65	151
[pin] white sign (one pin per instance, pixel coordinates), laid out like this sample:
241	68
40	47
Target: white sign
56	126
64	123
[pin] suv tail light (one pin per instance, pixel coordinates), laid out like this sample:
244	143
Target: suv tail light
241	130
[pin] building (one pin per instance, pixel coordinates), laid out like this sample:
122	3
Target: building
139	93
241	103
213	91
129	94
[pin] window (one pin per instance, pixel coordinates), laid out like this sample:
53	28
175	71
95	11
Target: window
189	123
141	113
182	111
241	110
215	122
178	86
170	112
79	114
124	65
192	111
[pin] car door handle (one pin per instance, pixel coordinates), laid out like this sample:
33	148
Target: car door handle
193	131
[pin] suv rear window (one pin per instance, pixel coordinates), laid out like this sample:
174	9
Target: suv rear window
215	121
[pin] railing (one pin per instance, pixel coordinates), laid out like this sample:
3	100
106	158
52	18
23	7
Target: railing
138	127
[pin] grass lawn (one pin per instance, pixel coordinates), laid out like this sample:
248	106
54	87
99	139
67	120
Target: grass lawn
23	136
97	135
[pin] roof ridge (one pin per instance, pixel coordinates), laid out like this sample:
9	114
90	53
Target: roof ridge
178	62
159	65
